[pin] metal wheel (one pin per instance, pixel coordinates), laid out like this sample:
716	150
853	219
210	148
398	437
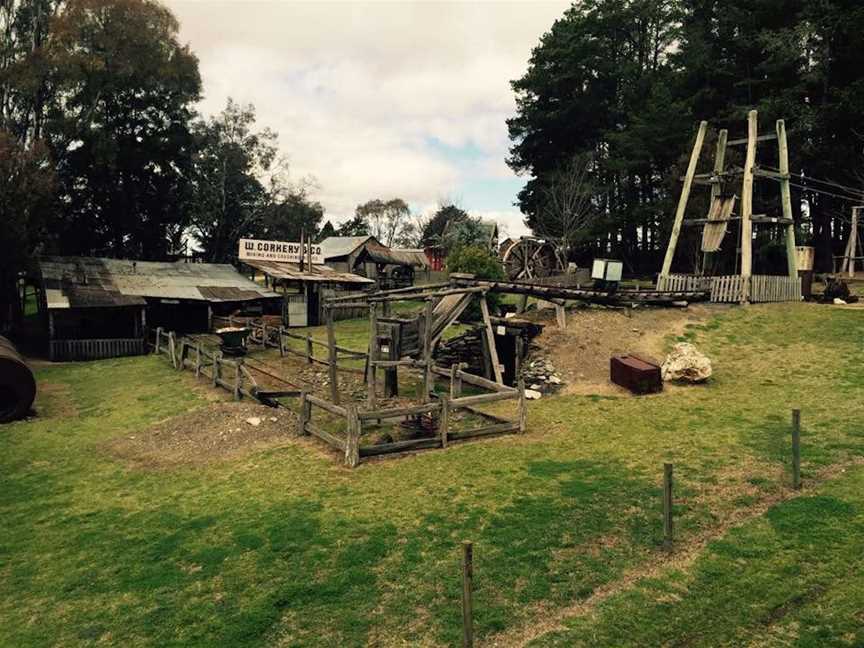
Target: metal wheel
530	258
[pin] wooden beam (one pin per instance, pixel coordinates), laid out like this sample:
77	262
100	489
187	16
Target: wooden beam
447	319
853	240
490	341
331	355
428	378
719	161
373	355
621	296
682	201
747	207
786	199
741	142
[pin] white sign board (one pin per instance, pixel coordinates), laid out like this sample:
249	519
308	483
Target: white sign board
255	250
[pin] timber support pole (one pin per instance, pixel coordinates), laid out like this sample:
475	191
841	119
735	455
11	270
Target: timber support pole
747	206
786	199
683	200
428	377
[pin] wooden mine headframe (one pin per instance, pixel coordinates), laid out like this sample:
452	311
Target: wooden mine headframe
721	205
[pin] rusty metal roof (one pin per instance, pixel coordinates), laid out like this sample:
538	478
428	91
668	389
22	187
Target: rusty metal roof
382	254
339	246
80	282
320	273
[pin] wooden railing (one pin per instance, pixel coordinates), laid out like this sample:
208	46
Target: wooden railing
234	375
440	408
276	337
95	349
729	288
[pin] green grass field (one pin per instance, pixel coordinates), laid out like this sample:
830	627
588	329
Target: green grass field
284	547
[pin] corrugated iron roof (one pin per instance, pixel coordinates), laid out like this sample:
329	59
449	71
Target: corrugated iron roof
80	282
321	273
382	254
339	246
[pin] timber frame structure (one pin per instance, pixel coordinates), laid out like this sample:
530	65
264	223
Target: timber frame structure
408	342
744	287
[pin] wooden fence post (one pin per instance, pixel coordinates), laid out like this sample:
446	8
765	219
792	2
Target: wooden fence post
158	338
304	414
171	345
467	595
310	353
428	378
444	421
667	506
237	380
352	441
217	365
263	332
796	449
197	359
373	355
523	406
181	363
331	356
454	373
282	341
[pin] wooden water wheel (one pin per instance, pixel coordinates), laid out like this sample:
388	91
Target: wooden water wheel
530	258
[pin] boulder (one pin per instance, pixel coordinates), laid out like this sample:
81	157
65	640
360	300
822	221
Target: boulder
686	364
532	394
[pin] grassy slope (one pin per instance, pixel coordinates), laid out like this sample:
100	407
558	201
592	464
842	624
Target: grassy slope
285	547
789	578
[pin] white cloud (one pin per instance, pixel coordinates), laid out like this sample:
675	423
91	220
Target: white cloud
373	98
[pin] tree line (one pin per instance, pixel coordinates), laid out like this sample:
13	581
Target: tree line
103	153
608	107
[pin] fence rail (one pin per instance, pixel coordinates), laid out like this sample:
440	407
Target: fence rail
440	409
236	377
730	289
95	349
275	337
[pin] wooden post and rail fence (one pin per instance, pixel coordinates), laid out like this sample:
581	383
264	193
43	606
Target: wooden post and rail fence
438	407
275	337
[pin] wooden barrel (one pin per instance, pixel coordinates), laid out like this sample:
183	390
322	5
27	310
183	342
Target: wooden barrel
17	384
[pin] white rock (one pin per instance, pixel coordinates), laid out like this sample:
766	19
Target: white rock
535	386
532	394
509	314
686	364
838	301
555	380
254	421
273	418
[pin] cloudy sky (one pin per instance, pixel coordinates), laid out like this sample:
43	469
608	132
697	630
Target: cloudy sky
377	99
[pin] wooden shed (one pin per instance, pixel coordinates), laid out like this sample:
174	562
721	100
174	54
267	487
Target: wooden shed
368	257
304	290
98	308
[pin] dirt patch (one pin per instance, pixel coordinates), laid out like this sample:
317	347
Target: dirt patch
53	400
581	352
216	432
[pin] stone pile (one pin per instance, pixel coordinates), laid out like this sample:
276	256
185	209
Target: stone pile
540	377
467	349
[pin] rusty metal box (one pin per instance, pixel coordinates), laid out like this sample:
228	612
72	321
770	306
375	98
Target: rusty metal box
638	375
